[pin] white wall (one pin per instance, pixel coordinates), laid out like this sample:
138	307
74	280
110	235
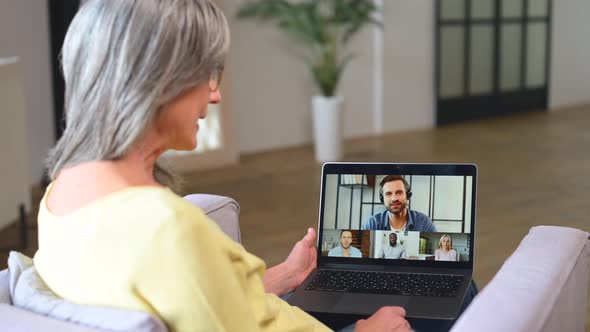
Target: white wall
24	32
272	88
570	71
14	175
408	65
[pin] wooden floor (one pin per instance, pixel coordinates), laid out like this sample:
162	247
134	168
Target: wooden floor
534	169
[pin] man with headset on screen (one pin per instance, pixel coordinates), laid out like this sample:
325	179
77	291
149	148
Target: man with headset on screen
394	193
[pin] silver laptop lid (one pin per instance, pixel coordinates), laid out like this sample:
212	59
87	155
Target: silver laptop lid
397	214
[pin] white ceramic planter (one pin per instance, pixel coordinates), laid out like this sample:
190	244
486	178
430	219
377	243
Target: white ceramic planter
327	127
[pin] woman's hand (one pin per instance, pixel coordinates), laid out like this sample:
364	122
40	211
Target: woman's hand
385	319
302	259
287	276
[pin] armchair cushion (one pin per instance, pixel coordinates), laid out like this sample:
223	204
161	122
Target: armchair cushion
14	319
29	291
4	289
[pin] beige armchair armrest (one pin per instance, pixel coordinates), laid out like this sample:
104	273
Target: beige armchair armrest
542	286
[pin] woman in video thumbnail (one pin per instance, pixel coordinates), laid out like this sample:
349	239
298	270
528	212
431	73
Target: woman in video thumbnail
445	251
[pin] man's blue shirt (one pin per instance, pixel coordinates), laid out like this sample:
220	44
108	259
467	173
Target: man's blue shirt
418	222
352	252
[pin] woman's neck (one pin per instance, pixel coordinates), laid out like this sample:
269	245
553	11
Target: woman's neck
81	184
138	165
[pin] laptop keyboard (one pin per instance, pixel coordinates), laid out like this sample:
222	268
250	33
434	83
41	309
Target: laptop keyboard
409	284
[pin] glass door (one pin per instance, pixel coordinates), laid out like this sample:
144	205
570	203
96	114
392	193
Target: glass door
492	57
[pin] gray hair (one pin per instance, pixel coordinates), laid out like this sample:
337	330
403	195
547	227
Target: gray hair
123	60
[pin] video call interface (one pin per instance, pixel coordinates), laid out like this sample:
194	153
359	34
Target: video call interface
412	217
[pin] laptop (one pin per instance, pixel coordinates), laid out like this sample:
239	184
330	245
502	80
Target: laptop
367	257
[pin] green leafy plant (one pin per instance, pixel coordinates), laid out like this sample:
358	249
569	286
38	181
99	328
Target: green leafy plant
324	26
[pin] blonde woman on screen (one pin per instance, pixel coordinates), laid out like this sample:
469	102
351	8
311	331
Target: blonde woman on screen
445	251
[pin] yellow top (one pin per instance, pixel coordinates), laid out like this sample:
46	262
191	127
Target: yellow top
145	248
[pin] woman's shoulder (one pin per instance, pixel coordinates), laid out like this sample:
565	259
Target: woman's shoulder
141	200
163	213
159	202
130	205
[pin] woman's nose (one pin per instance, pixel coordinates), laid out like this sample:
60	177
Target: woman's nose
215	97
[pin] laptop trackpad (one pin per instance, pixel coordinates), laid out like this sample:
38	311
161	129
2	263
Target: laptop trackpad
368	303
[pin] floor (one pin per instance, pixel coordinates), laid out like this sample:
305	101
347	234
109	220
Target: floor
534	169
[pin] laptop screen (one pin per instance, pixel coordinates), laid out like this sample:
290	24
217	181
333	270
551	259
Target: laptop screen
398	214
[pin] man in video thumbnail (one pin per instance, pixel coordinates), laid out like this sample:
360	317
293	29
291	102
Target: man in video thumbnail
394	193
394	250
345	249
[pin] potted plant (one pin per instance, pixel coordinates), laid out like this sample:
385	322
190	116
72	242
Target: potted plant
324	27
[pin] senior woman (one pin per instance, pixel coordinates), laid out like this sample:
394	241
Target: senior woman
139	75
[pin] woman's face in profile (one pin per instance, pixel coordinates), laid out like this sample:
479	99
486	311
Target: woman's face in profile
177	125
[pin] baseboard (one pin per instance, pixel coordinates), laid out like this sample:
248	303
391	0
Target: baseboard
570	107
